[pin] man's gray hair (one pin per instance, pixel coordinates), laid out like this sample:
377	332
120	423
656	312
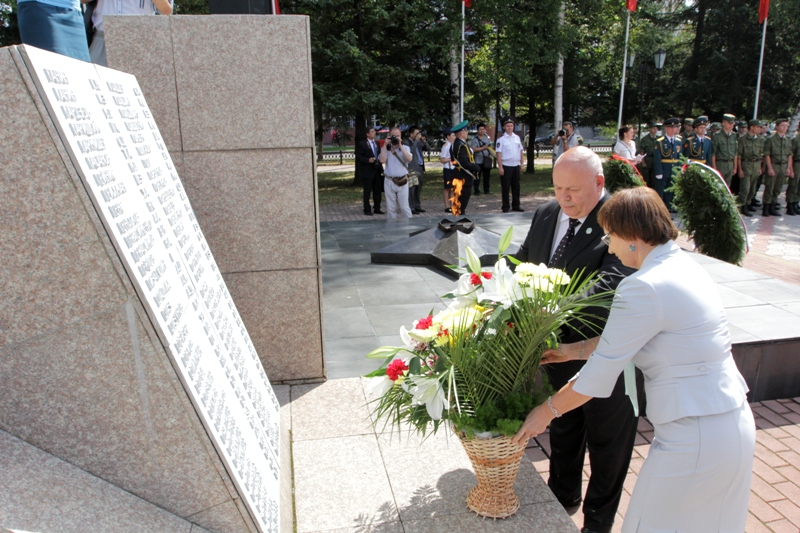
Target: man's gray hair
581	155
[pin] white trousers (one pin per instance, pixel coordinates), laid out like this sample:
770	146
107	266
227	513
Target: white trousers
696	478
396	197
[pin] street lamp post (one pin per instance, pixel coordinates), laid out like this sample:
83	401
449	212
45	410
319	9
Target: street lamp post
658	59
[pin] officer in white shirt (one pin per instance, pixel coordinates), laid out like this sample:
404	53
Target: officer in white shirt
509	159
447	168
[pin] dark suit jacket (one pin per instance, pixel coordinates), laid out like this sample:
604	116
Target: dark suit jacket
585	251
368	170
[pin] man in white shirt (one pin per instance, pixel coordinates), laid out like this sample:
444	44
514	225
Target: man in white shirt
395	157
97	50
447	168
509	158
567	138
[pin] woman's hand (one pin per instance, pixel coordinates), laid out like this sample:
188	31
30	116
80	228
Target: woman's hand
535	423
555	355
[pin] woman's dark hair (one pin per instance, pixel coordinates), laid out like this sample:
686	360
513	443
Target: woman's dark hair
637	213
623	130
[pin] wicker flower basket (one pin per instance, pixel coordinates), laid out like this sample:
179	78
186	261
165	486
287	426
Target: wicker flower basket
496	463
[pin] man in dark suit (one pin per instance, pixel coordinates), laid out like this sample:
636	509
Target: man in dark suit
371	171
565	234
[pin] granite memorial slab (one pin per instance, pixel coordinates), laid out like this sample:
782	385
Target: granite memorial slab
113	144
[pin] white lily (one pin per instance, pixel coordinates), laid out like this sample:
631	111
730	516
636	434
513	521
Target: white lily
378	386
428	391
503	287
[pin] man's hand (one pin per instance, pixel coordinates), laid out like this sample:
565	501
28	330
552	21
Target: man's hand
659	176
741	173
371	159
771	172
500	169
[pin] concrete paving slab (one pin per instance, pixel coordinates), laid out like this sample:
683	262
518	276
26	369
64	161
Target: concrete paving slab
340	483
336	408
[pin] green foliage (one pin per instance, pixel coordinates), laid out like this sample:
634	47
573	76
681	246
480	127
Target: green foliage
191	7
9	29
708	213
620	175
481	358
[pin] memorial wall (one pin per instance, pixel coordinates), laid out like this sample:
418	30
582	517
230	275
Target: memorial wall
232	97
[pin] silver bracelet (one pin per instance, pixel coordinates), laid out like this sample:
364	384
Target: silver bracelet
550	403
583	347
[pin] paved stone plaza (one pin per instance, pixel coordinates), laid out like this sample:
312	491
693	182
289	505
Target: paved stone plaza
366	304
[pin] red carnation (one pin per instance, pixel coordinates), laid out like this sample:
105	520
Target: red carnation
475	279
396	369
486	275
425	323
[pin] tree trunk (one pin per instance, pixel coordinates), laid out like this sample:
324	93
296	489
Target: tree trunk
455	109
558	97
498	128
530	169
694	62
512	105
795	119
360	134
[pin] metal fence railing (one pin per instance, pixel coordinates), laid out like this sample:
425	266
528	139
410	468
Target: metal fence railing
343	156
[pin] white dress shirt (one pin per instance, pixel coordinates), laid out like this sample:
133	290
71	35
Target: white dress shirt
511	149
121	7
446	155
562	226
669	320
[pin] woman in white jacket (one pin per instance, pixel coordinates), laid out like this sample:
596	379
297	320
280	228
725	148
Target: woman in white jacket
667	319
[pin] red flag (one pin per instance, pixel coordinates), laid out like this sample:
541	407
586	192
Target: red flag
631	4
467	3
763	11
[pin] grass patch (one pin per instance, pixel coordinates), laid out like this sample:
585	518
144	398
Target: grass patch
338	188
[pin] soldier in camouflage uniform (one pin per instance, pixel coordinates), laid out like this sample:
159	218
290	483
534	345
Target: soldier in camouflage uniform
749	155
698	147
777	151
724	152
647	146
688	128
792	195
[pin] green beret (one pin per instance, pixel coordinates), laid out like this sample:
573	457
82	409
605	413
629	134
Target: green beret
727	117
460	126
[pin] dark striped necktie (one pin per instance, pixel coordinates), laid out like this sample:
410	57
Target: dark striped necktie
559	253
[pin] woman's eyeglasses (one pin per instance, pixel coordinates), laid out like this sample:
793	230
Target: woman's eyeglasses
606	239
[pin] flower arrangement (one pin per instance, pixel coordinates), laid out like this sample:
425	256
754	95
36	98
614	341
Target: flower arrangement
621	174
475	364
708	212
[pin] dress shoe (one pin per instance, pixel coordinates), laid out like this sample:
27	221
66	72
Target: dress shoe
448	210
518	209
505	210
587	530
368	213
415	211
477	193
421	210
378	212
773	210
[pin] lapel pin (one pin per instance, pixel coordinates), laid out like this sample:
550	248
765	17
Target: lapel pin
588	231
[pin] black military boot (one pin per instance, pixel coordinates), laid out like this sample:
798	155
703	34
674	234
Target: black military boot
790	209
756	203
773	210
745	211
765	210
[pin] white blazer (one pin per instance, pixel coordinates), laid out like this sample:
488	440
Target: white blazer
669	320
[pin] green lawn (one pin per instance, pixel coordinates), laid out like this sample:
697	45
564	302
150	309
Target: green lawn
337	188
